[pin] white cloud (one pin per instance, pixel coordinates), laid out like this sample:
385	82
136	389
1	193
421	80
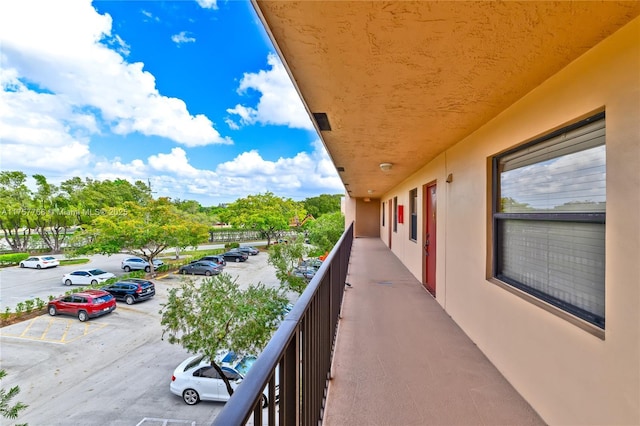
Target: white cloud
34	129
56	47
208	4
182	37
150	16
66	79
175	162
279	102
172	175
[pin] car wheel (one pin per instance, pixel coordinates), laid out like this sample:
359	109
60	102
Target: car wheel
237	259
129	300
22	265
94	282
183	272
147	269
83	316
67	282
52	310
38	266
207	273
191	397
127	269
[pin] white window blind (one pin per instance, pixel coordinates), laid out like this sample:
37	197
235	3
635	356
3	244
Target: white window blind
550	220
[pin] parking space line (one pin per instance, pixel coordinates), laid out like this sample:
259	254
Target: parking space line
44	333
53	330
165	422
26	330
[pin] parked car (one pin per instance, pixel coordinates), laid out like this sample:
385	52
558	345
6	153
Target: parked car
131	291
219	259
311	263
85	304
86	277
235	256
252	251
307	274
138	263
196	380
40	262
201	267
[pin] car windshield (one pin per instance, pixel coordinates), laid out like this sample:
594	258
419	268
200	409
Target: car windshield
245	364
97	272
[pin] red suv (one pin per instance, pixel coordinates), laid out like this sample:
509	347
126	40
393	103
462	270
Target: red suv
85	304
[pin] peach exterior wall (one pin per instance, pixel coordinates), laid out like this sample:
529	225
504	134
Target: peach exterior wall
568	375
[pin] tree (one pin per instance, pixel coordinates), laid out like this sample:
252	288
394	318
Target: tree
263	212
325	231
323	204
6	410
285	258
218	315
142	230
15	210
53	216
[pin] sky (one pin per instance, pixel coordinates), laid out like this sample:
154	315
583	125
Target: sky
187	96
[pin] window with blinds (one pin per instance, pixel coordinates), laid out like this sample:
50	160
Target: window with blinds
549	215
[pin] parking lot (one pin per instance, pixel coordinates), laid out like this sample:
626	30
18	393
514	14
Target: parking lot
111	370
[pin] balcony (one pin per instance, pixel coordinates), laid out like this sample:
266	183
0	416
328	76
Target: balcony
397	358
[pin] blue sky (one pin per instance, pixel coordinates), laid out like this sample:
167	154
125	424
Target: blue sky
186	95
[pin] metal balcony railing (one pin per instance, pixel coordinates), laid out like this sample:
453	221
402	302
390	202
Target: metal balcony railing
296	363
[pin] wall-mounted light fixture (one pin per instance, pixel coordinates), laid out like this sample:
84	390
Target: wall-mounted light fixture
385	167
367	199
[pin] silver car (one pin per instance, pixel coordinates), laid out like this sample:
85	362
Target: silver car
138	264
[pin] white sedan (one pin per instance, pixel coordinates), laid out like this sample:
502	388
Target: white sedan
196	380
86	277
40	262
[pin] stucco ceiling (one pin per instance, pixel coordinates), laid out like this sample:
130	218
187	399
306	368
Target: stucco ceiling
402	81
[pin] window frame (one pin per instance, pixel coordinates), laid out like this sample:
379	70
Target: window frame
395	214
588	321
413	215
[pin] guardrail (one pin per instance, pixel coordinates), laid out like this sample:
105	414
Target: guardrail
299	353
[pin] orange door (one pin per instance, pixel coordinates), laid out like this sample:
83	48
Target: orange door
429	192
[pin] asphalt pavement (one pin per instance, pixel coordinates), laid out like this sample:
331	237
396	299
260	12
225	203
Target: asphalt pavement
111	370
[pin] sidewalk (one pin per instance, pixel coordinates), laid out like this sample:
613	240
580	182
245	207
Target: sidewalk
401	360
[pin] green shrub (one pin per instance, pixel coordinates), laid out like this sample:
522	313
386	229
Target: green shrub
20	307
28	305
13	258
231	245
40	304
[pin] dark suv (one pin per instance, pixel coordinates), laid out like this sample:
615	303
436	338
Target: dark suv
132	291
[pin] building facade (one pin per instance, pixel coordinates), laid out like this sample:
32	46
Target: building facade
526	230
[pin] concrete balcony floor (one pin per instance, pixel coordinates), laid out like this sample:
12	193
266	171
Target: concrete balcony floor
401	360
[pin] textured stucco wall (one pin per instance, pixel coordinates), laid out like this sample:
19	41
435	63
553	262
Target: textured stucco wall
567	374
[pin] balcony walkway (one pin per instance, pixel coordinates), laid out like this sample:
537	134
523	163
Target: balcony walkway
401	360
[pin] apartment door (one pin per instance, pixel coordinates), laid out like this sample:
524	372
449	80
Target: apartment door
429	226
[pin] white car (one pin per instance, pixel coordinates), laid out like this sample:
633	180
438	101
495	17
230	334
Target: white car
86	277
137	263
196	380
40	262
